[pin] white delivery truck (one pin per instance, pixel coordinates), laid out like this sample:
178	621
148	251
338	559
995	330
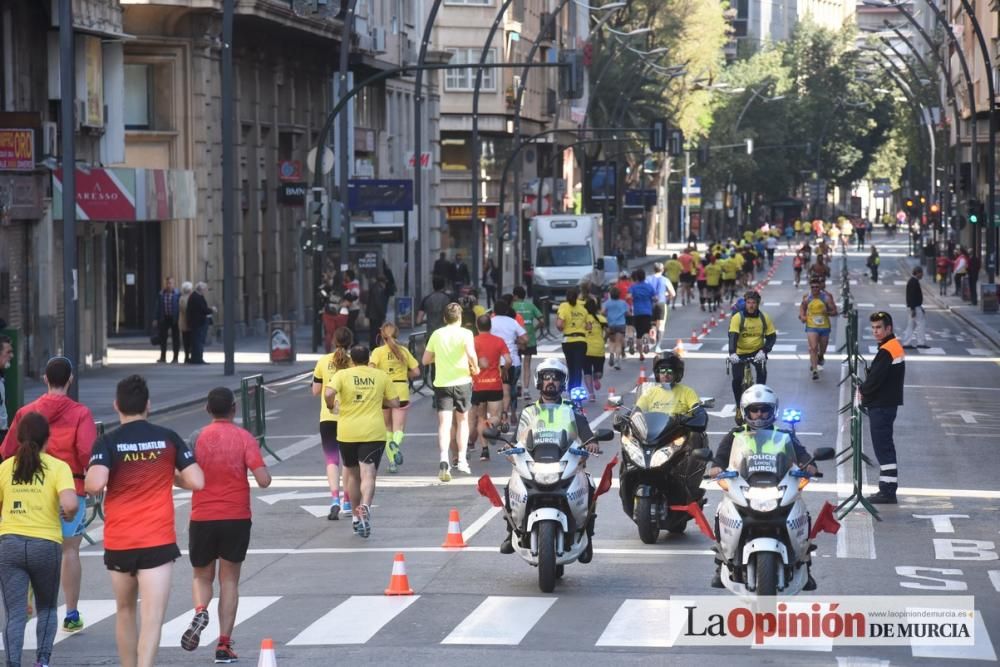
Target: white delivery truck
565	250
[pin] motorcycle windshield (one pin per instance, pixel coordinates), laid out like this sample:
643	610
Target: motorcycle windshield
659	426
547	445
762	457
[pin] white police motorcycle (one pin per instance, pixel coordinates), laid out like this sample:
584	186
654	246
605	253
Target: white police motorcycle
762	526
551	500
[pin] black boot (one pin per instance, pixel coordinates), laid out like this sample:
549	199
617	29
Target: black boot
717	577
507	546
810	582
588	553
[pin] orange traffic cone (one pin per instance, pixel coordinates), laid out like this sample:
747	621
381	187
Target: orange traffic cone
399	583
704	327
612	397
679	348
454	537
694	336
267	657
642	376
712	322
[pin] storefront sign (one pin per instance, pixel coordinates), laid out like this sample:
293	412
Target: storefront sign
293	194
123	194
465	212
94	64
380	194
17	149
289	171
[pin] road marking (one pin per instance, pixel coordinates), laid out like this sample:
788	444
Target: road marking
354	621
92	611
479	523
640	623
781	347
854	661
865	305
978	352
291	451
500	620
334	551
931	350
938	387
968	416
981	650
250	605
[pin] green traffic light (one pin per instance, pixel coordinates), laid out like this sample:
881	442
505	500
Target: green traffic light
973	218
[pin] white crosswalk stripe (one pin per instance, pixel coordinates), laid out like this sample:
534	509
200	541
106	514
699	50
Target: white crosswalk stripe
981	650
250	605
500	620
91	611
642	623
354	621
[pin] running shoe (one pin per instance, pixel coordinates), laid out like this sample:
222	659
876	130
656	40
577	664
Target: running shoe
355	524
334	514
73	622
192	636
463	467
597	384
394	453
444	472
484	454
364	522
345	504
618	368
815	374
224	653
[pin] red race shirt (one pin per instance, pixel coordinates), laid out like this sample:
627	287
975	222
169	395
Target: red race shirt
139	499
225	453
492	348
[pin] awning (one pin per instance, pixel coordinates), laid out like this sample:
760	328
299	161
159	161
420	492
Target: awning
125	194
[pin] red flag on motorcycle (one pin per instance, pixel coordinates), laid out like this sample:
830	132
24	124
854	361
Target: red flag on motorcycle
487	490
694	509
605	482
826	522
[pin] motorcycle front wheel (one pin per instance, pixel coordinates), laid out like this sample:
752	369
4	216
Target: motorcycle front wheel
646	520
547	568
767	573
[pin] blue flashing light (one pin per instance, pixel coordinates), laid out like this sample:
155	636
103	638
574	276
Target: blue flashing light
792	416
578	394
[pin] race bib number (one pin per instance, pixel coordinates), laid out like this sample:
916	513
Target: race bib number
818	320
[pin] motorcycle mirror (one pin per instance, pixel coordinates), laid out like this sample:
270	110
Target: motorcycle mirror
708	401
824	454
604	434
703	454
491	433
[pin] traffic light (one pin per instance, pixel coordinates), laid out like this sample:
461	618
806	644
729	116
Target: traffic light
588	54
317	208
909	205
934	215
571	74
675	142
975	211
658	136
703	153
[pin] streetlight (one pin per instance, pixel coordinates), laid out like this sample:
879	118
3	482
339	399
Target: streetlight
602	8
631	33
756	94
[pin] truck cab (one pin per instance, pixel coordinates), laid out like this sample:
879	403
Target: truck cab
565	252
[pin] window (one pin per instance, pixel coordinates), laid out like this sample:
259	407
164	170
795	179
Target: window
465	79
456	154
564	255
137	97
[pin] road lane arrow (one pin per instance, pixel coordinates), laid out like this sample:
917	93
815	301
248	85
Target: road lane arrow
728	411
968	416
293	495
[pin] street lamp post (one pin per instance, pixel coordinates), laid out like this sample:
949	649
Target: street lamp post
228	195
67	93
344	157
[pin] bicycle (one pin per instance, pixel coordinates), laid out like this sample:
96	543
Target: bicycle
746	360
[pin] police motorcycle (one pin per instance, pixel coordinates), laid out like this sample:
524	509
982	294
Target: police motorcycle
550	496
763	529
658	470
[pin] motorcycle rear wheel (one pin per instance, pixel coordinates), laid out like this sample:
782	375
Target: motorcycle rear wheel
547	555
767	573
646	520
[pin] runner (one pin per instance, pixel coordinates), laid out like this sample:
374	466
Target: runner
136	466
688	272
616	310
531	314
672	268
36	490
624	282
593	368
220	519
571	319
402	367
643	298
487	384
664	293
515	336
71	438
815	312
452	350
327	365
362	393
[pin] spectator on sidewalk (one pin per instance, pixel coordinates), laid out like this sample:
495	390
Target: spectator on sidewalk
491	276
917	324
975	264
186	334
959	270
71	437
461	275
198	312
220	518
352	297
167	320
444	268
376	309
432	307
6	354
943	273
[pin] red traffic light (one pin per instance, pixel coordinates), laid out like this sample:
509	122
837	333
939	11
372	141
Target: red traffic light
935	208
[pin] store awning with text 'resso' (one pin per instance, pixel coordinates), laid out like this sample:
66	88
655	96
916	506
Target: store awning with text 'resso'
125	194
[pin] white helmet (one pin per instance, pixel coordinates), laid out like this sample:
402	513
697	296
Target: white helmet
550	365
759	395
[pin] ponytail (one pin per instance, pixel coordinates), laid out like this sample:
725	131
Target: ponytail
344	339
32	434
571	296
389	332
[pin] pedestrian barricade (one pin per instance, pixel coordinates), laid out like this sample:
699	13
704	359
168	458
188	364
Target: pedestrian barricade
545	331
416	344
95	503
252	408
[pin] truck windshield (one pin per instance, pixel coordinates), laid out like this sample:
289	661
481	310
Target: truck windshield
564	255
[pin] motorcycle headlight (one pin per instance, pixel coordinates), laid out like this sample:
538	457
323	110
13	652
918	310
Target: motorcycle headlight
633	452
547	473
664	454
763	499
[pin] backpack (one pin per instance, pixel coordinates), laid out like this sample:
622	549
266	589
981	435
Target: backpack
743	317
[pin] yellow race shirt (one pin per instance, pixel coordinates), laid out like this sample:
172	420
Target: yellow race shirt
713	274
696	256
360	391
595	337
752	333
32	510
451	364
817	315
397	369
574	319
673	269
675	400
325	368
729	268
740	261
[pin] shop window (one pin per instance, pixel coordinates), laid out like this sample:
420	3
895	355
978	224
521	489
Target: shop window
455	154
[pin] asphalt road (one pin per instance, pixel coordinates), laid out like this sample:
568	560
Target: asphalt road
316	588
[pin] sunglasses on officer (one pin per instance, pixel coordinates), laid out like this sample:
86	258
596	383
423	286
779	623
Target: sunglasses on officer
550	376
759	410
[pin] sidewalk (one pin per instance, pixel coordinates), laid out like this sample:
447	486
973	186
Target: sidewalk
987	324
174	386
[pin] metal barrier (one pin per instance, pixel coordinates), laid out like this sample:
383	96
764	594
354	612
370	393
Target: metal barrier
416	345
253	410
545	331
95	504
